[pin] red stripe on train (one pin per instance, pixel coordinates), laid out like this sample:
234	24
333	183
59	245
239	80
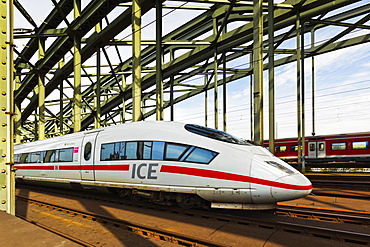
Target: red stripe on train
124	167
229	176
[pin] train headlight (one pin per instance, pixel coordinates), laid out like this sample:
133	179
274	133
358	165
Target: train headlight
280	167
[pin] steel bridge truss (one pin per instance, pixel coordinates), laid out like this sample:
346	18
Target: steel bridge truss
88	66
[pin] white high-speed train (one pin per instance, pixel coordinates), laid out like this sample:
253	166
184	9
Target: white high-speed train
167	162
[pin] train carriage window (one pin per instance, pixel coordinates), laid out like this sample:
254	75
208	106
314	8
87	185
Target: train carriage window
338	146
24	158
132	150
87	151
66	155
158	151
147	150
119	151
360	145
51	156
280	149
17	158
120	148
34	157
107	151
174	151
312	147
294	148
200	155
321	146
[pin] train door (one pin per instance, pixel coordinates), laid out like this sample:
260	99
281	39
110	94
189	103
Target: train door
316	149
87	156
321	149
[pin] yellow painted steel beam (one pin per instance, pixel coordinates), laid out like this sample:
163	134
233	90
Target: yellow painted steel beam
7	180
136	60
159	62
258	72
41	95
77	97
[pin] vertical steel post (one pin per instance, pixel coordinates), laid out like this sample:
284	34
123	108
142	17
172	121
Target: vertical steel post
171	89
258	71
77	98
9	158
17	117
303	170
298	51
313	81
61	102
271	77
159	62
206	100
251	99
215	75
136	60
123	113
224	92
41	94
7	176
97	90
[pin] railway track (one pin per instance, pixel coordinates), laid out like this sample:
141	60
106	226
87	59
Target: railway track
324	214
305	224
147	231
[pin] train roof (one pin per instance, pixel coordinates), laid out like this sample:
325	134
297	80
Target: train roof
318	137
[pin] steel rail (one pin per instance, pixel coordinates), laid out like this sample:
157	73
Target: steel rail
66	236
324	214
173	237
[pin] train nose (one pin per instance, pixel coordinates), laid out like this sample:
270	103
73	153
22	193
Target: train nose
291	187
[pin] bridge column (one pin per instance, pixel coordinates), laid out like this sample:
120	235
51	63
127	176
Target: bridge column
136	60
159	62
77	97
258	71
7	180
271	77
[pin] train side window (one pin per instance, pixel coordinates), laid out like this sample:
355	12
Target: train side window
147	150
174	151
17	158
118	152
312	147
34	157
107	151
360	145
158	151
200	155
294	148
280	149
321	146
132	151
87	151
120	148
51	156
66	154
339	146
24	158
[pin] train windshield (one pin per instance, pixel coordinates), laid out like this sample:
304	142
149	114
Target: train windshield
216	134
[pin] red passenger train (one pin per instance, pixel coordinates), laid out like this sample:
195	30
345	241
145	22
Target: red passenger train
326	148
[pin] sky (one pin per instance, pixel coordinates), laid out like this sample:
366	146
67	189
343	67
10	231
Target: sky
342	82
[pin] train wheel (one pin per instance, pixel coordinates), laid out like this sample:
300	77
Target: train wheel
186	201
122	192
134	197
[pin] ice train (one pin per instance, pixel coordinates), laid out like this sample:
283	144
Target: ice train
166	162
